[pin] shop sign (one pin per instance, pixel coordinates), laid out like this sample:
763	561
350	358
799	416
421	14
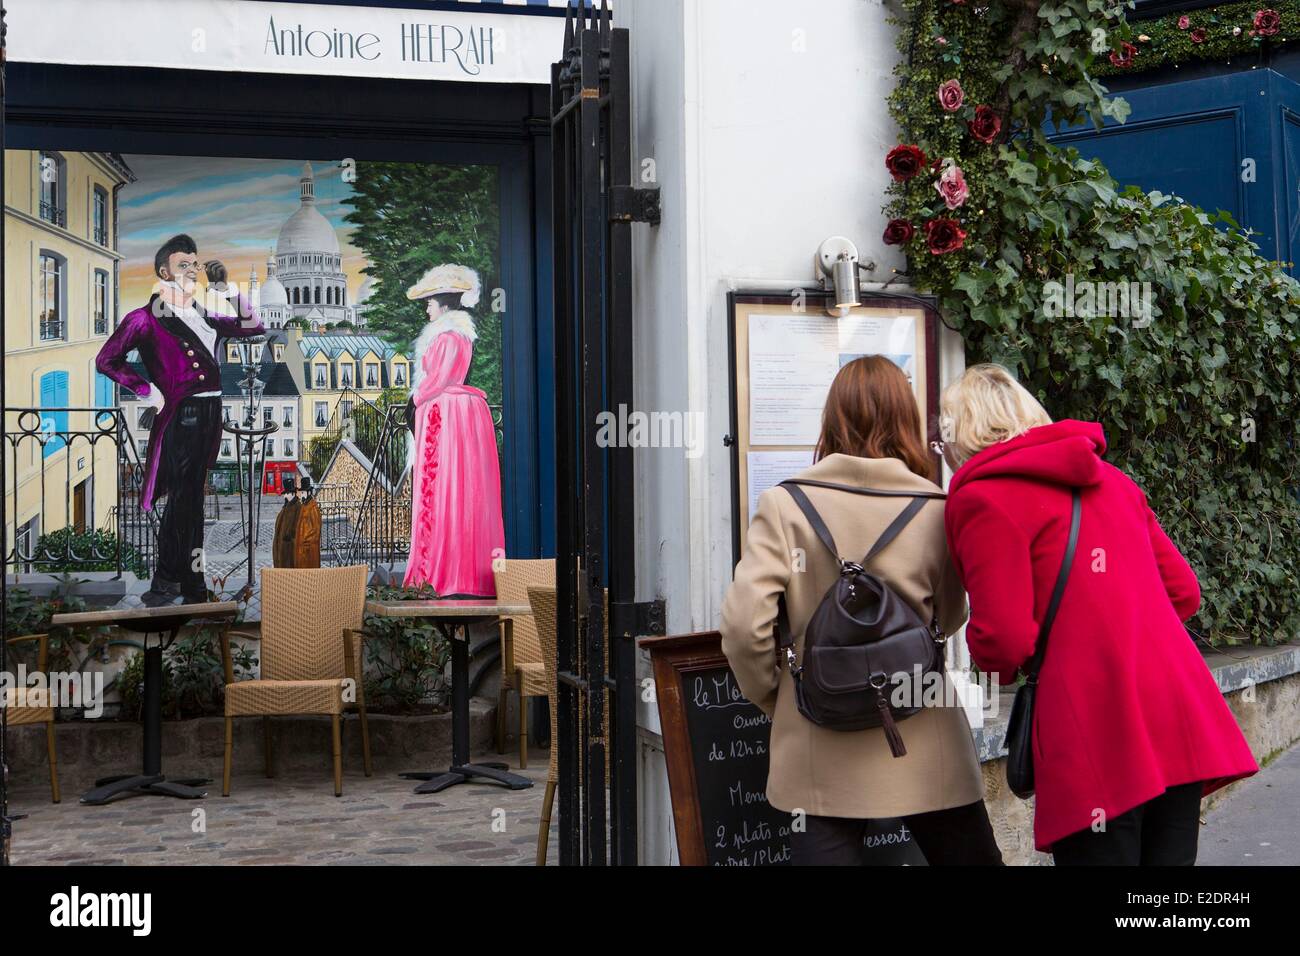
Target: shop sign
479	45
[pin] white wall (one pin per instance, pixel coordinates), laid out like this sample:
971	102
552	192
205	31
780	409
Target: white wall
767	124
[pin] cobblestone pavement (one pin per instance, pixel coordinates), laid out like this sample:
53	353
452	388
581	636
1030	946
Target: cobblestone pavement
294	819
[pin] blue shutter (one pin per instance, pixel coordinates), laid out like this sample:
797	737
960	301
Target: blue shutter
103	391
54	394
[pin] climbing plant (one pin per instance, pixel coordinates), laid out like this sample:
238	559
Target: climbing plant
1155	318
1210	33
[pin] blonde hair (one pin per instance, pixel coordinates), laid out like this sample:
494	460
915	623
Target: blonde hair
983	407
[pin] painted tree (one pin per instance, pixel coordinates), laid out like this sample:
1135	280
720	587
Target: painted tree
408	217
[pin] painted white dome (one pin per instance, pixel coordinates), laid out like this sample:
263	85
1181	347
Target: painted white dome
272	293
307	230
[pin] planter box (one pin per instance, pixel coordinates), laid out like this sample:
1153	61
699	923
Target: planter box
94	748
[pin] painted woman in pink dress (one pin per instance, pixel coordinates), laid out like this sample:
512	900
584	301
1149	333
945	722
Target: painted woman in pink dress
456	526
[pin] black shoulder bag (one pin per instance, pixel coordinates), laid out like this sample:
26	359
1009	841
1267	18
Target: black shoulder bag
862	638
1020	725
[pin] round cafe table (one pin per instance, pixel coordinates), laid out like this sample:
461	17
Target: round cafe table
163	624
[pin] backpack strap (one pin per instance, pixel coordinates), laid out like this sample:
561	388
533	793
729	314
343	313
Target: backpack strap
854	489
814	519
895	526
784	633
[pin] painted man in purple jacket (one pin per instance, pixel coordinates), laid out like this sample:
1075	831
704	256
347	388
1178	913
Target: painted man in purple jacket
177	339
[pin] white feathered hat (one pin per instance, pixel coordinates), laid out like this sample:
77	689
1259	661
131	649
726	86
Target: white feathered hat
447	278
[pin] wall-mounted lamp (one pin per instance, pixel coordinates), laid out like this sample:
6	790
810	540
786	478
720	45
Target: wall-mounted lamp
837	261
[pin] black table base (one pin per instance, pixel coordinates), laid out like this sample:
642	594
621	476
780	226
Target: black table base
488	771
461	770
151	781
136	785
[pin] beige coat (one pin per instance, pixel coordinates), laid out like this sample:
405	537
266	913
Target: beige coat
830	772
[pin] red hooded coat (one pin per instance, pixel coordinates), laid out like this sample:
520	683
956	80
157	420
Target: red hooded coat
1126	705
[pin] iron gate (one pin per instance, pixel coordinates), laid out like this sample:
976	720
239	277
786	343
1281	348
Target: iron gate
594	207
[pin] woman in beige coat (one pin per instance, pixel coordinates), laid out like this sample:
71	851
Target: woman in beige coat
834	781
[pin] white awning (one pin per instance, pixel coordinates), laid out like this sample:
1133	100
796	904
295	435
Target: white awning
486	42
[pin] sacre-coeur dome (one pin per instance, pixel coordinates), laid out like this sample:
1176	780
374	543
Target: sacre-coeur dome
307	230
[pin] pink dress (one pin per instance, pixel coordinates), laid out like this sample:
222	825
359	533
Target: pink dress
456	525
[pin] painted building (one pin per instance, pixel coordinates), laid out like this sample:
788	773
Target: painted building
61	265
335	365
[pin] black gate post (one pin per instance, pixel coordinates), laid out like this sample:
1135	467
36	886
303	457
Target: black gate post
595	205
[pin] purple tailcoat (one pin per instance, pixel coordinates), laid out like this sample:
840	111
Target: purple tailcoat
177	362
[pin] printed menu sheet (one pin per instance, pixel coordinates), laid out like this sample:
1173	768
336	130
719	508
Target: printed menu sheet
793	359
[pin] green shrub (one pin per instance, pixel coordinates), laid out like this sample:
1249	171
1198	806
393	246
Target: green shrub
405	658
72	550
69	649
193	678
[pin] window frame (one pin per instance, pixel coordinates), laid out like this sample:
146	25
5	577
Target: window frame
99	201
98	290
60	293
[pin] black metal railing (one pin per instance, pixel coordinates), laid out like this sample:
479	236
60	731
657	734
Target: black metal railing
57	481
53	214
51	327
355	418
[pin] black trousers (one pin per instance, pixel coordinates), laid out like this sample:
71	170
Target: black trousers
182	472
961	836
1160	832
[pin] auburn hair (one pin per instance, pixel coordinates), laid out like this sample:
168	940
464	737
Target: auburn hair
871	413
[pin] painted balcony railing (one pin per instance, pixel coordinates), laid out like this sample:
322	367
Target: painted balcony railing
64	465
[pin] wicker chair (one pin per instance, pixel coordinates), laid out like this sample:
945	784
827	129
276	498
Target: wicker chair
543	603
521	652
310	645
37	707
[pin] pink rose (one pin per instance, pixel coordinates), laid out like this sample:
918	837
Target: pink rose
951	95
1267	22
952	185
1184	22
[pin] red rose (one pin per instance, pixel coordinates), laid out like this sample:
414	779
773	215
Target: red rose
951	95
898	232
986	125
944	235
904	162
1267	22
1124	58
1198	35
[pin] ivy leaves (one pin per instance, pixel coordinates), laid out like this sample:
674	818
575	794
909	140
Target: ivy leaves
1157	319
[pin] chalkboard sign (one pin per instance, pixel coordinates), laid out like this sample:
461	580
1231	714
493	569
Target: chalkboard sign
716	748
729	741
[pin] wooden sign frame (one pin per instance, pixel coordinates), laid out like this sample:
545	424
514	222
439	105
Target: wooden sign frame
671	658
742	304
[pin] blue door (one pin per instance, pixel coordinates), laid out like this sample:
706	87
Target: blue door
1222	142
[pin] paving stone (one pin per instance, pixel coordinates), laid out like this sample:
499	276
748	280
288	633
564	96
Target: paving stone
294	819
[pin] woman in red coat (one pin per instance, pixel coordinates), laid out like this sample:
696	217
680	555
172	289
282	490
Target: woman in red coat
1130	729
